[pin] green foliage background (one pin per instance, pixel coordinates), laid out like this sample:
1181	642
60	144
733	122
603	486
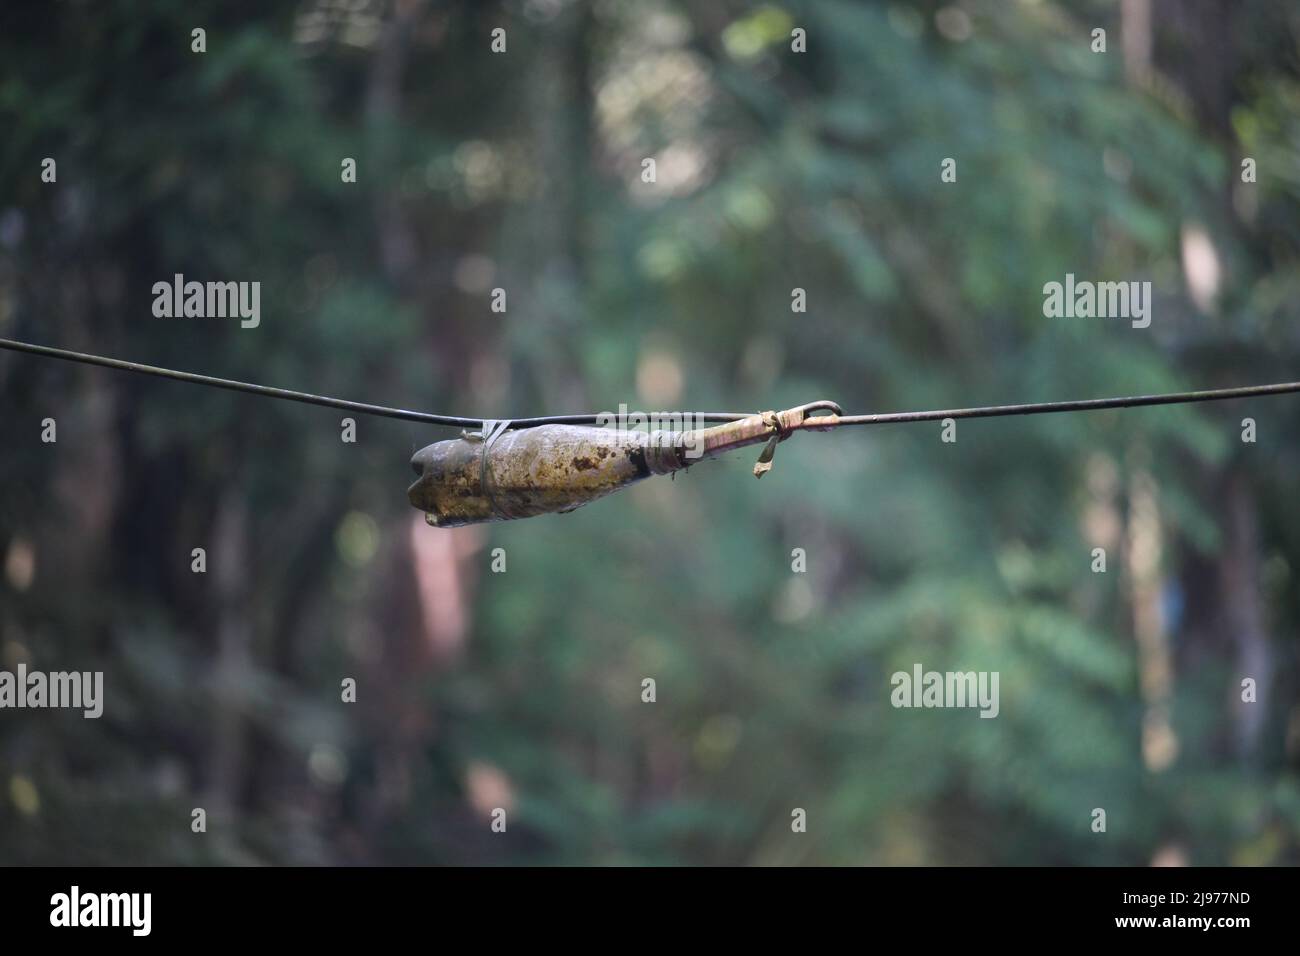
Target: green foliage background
776	170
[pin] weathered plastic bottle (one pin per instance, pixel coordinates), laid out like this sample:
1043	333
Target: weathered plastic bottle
557	468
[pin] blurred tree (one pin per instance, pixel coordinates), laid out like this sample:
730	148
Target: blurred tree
776	170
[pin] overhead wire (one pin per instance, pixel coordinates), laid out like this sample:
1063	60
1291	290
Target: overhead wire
461	421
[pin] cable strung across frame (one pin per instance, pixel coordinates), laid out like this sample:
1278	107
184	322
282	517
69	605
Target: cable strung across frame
520	468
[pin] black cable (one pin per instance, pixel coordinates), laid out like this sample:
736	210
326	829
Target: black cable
986	411
309	399
1081	405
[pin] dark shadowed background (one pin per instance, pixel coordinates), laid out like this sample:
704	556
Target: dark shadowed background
776	170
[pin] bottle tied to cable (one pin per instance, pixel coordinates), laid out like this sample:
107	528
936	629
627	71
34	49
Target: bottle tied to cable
534	466
498	475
